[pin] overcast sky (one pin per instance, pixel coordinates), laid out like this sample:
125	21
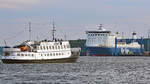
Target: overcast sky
72	18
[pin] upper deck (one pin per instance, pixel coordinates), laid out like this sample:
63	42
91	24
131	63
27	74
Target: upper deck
87	32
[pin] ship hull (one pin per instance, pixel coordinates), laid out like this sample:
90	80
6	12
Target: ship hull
72	59
111	51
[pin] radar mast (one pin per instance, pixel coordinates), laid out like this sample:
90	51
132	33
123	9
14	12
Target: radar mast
53	30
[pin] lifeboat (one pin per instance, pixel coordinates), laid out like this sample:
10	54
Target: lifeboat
24	48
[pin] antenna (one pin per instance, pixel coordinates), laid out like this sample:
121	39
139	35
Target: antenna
5	42
53	31
65	37
122	35
148	33
100	27
37	37
29	30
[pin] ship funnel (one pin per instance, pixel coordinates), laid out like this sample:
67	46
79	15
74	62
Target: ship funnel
134	35
101	27
117	34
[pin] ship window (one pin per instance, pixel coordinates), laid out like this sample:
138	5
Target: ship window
61	47
47	47
56	53
53	54
37	48
47	54
18	54
41	54
52	47
44	47
28	54
32	55
58	47
41	47
59	53
68	46
55	47
64	47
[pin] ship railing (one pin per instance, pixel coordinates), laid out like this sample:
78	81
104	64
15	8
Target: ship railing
11	49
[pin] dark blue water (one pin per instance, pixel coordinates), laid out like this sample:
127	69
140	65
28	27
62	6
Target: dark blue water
87	70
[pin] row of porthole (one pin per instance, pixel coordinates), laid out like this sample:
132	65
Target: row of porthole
25	54
49	54
93	40
97	34
52	47
52	54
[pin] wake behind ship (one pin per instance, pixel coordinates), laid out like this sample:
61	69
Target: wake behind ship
45	51
103	43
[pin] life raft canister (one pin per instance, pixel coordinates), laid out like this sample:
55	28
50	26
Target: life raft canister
24	48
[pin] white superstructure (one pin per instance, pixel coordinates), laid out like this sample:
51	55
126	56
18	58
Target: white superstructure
101	37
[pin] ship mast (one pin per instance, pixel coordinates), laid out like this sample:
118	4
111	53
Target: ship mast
5	42
53	31
29	30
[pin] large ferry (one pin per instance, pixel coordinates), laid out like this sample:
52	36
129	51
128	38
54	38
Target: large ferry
45	51
103	43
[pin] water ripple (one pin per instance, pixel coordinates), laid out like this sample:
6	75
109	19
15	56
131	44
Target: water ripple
87	70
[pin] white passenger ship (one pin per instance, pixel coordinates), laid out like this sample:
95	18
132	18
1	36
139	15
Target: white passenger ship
46	51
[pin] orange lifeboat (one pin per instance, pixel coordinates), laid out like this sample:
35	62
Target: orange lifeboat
24	48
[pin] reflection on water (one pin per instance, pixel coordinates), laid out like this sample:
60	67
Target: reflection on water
87	70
